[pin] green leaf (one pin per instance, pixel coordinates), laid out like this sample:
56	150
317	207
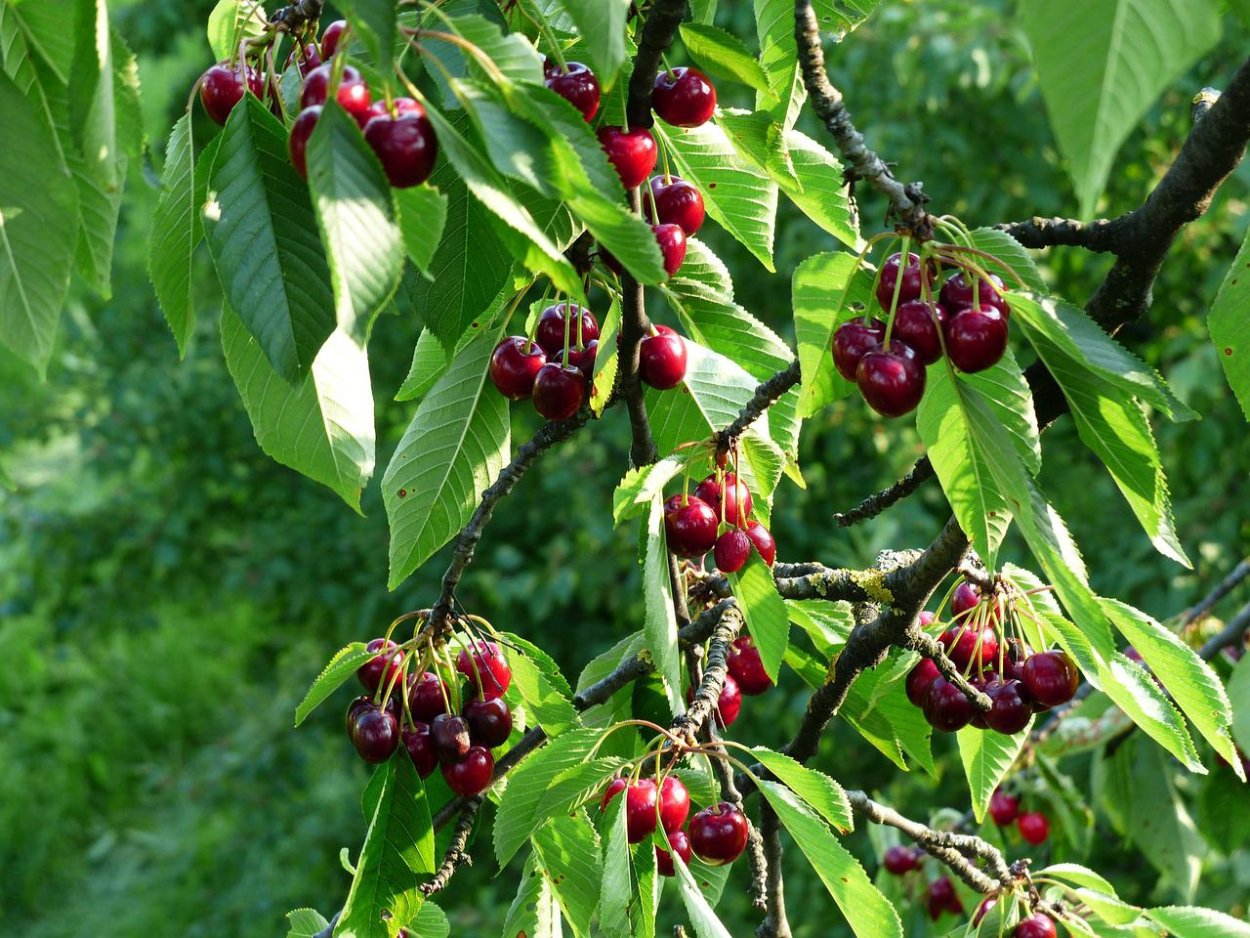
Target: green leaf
421	212
878	709
352	200
577	784
660	619
765	613
842	16
456	445
92	103
1229	330
430	922
262	232
604	377
305	923
1101	65
374	22
1239	694
723	55
429	361
568	849
1158	819
1135	692
774	24
617	888
543	701
634	494
818	790
176	230
987	758
1192	922
703	920
1078	875
534	912
867	911
342	667
818	286
323	427
541	660
232	21
38	229
1009	256
601	25
737	197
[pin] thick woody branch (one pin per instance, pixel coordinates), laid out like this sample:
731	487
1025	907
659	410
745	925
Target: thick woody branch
715	671
294	16
1038	232
658	33
775	924
456	855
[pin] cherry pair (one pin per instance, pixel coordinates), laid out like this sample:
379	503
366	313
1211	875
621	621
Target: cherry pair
718	834
1034	826
556	368
692	524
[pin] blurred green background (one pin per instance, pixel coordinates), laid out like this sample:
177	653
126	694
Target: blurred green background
167	592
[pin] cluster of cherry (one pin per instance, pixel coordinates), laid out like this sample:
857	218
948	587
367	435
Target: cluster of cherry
419	711
1018	680
887	360
717	835
692	524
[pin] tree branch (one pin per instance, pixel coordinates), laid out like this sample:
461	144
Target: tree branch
1222	589
1100	235
294	16
1232	633
456	855
766	394
873	505
716	670
657	35
775	924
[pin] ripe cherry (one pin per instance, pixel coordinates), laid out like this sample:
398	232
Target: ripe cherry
762	538
420	746
405	144
683	97
330	38
641	798
1004	808
728	705
1036	926
899	860
945	706
472	775
957	293
427	697
738	501
1011	708
490	721
297	142
632	152
577	84
559	391
916	324
355	708
926	618
966	645
673	201
672	242
747	668
353	94
719	834
583	359
1051	678
674	803
487	669
384	665
1033	827
891	380
662	359
983	909
731	551
513	366
690	526
976	338
375	734
681	846
964	599
852	341
912	286
450	735
918	680
223	85
942	897
308	57
550	330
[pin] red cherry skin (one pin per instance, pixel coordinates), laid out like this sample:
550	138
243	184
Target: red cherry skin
1051	677
308	59
672	242
615	787
738	501
662	359
578	85
691	528
674	803
383	666
964	599
330	38
912	285
961	646
449	733
583	359
397	107
223	85
405	145
762	538
427	697
550	330
487	669
473	774
353	94
926	618
641	799
718	835
355	708
978	716
976	338
559	391
918	680
945	706
852	341
899	860
747	668
297	142
675	202
420	746
915	325
1033	827
731	551
375	734
1004	808
891	380
684	98
957	293
681	846
490	721
1036	926
514	365
1011	708
728	705
942	897
983	908
632	152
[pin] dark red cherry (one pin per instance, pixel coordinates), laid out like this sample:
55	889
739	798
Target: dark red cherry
899	860
912	285
691	527
1004	808
975	338
674	202
396	107
662	359
672	242
487	669
1036	926
674	803
1033	827
472	775
450	735
917	324
731	551
683	97
330	38
737	497
983	909
718	835
427	697
942	897
355	708
383	666
514	365
926	618
747	668
728	705
577	85
965	645
1051	678
1011	708
979	715
957	293
420	746
375	734
762	538
964	599
891	380
550	330
353	94
852	341
641	816
583	359
297	142
490	721
559	391
945	706
405	144
223	85
681	846
918	680
308	58
632	152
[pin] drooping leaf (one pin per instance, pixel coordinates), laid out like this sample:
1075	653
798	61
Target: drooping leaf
568	850
1192	922
601	24
774	24
1230	333
422	214
176	230
232	21
764	611
721	54
987	758
703	920
548	707
305	923
818	790
1158	819
660	619
617	889
346	661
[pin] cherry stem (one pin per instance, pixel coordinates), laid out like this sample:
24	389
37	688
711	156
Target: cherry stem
904	261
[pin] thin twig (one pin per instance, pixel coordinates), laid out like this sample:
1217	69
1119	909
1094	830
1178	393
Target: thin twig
1222	589
775	924
767	393
456	855
873	505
